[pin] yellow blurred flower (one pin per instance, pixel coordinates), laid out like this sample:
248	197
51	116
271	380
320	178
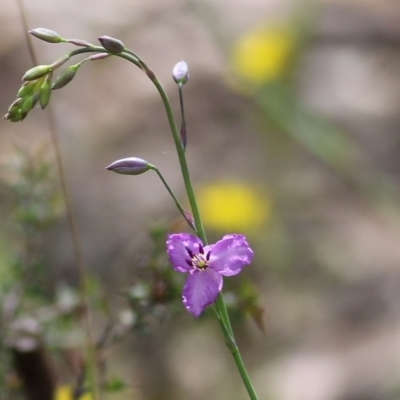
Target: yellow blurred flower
64	392
233	206
263	54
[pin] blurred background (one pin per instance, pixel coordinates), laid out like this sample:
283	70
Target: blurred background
292	110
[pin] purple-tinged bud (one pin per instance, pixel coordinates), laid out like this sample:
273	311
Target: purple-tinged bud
183	135
36	72
129	166
47	35
111	44
65	77
180	73
45	92
78	42
99	56
190	220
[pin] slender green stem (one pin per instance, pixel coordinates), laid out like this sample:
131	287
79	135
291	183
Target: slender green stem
182	160
220	304
177	202
189	189
243	372
224	312
234	349
183	126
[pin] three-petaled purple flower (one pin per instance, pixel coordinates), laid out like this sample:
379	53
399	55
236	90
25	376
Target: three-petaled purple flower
206	265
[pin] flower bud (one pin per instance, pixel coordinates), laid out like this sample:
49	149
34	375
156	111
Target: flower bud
19	116
14	111
27	105
47	35
111	44
65	77
16	104
180	73
45	92
36	72
190	220
129	166
26	89
14	117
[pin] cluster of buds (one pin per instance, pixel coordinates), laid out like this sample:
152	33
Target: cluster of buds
37	84
36	88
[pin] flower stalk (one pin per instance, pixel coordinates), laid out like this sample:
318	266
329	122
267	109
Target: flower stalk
220	303
184	213
183	134
201	261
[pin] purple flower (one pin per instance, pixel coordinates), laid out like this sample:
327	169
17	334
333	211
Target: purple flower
206	266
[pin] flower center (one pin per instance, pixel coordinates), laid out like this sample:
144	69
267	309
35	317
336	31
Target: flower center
199	260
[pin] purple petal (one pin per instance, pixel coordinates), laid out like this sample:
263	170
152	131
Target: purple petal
201	289
230	255
177	245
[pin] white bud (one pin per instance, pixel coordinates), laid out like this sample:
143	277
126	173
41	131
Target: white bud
180	73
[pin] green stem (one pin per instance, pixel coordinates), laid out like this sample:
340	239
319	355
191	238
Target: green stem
190	192
183	134
220	303
243	372
182	161
234	349
177	202
222	313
